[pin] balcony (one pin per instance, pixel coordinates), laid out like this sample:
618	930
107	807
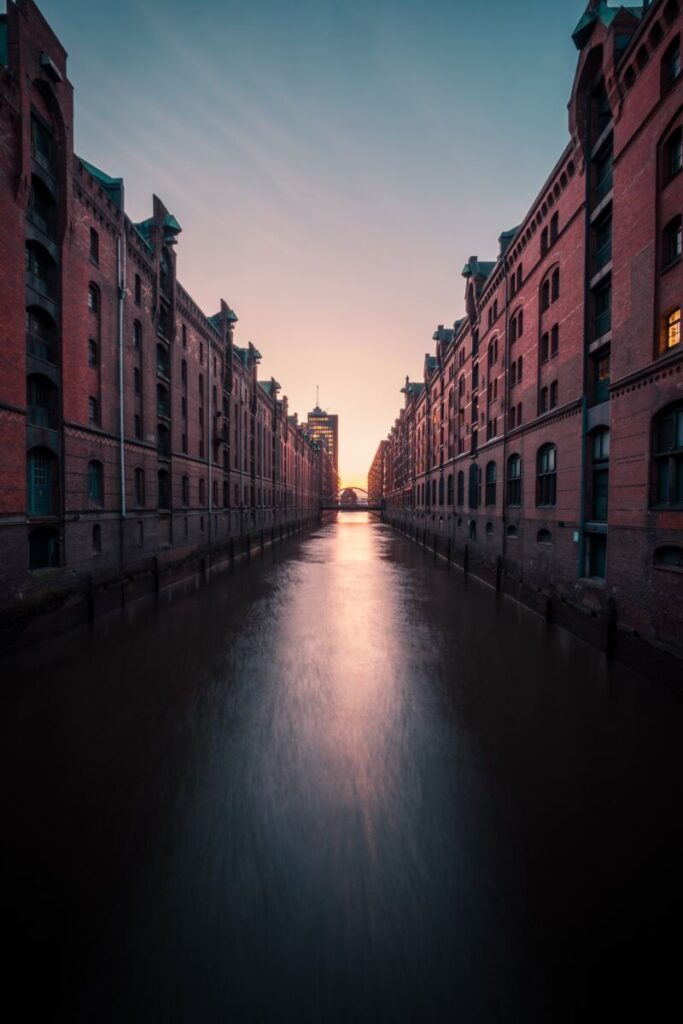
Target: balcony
42	348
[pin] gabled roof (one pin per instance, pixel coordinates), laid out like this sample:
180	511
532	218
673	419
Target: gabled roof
112	186
601	12
413	388
443	334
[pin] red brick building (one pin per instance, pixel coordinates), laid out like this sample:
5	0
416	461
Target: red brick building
133	426
544	447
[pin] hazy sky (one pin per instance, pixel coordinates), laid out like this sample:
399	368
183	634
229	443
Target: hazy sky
333	164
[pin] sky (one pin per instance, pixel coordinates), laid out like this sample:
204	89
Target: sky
333	164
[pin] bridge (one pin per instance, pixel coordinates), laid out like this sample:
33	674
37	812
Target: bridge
351	499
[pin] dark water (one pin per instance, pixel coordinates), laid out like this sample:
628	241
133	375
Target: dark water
340	784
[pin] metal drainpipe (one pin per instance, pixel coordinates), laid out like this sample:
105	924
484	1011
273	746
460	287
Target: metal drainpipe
121	275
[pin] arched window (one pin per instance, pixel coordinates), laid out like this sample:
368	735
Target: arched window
599	445
461	488
164	489
514	482
511	531
449	490
41	401
555	286
667	454
546	475
139	486
41	472
41	270
473	486
544	537
491	483
489	529
42	334
96	482
671	65
545	295
94	299
43	548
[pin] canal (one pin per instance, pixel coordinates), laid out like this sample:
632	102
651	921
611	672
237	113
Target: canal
339	784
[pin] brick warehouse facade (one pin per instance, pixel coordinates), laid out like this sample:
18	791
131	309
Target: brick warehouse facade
133	427
543	448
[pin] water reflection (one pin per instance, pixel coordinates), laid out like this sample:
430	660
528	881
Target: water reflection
340	784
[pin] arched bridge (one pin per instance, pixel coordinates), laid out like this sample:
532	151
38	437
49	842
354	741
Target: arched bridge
351	499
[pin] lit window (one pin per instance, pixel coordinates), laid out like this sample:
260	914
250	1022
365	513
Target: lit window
671	335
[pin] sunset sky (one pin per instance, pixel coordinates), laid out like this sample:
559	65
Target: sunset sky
333	165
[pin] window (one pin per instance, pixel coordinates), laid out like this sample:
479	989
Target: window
449	490
137	426
601	371
96	482
554	394
97	539
544	241
138	290
671	65
602	322
185	488
202	491
545	295
520	323
543	406
40	270
201	352
671	330
596	555
512	418
163	402
544	537
41	145
474	485
163	361
41	473
493	353
514	480
555	286
554	340
93	354
669	557
139	478
554	228
668	456
163	440
603	244
672	242
490	494
41	333
226	494
164	489
93	299
489	529
94	246
434	493
461	488
214	493
41	208
545	348
546	475
183	372
43	548
599	449
519	276
184	335
603	175
41	400
511	531
93	411
137	335
673	160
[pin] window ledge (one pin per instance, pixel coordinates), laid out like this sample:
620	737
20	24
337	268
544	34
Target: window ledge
669	568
